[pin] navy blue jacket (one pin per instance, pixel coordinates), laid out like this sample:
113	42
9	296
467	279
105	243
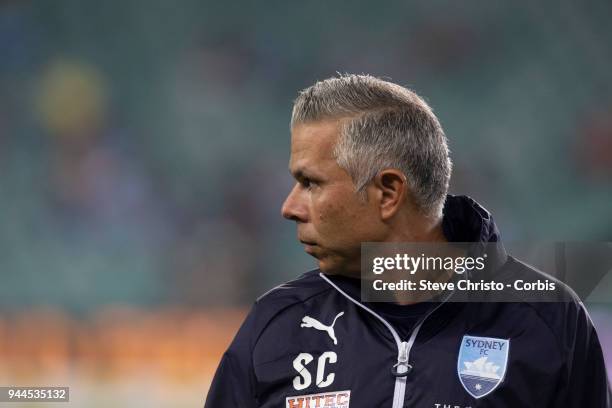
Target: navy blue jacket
312	343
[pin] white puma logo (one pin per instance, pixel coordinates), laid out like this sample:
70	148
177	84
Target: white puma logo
308	321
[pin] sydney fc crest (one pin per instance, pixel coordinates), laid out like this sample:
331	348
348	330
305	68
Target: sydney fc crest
482	363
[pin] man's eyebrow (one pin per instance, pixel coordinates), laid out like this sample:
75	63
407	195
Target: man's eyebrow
301	173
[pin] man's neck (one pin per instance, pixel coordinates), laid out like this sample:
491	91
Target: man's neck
418	231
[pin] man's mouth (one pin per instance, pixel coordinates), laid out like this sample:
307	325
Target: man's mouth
309	246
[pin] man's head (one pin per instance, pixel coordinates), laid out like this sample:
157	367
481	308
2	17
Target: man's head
371	163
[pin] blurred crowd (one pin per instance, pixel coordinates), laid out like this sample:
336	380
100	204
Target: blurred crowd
115	342
120	356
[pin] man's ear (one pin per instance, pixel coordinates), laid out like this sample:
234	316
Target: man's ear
393	191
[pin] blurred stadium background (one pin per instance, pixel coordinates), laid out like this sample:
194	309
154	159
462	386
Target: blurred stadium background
144	147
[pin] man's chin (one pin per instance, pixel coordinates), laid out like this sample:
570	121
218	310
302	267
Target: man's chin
329	267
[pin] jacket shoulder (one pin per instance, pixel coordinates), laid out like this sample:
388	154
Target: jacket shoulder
295	291
563	313
285	298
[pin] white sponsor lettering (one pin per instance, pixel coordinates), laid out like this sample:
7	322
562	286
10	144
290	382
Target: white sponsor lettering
304	378
331	357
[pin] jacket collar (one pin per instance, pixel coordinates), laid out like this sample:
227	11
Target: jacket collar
464	220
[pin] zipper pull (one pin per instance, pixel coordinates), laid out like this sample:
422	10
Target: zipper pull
402	368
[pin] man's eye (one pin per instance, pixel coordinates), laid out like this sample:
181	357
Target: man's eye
306	183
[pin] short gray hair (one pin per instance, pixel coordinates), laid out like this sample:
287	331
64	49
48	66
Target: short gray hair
383	125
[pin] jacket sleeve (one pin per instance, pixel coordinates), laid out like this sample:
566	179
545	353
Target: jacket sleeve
234	382
586	382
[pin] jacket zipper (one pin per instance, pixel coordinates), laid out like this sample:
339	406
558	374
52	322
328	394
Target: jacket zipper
402	367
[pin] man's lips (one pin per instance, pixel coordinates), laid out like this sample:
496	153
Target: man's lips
309	247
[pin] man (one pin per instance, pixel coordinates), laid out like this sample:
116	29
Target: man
372	165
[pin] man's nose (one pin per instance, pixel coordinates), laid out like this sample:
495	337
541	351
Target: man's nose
294	207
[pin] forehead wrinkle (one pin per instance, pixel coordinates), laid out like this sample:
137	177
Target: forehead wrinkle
312	149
